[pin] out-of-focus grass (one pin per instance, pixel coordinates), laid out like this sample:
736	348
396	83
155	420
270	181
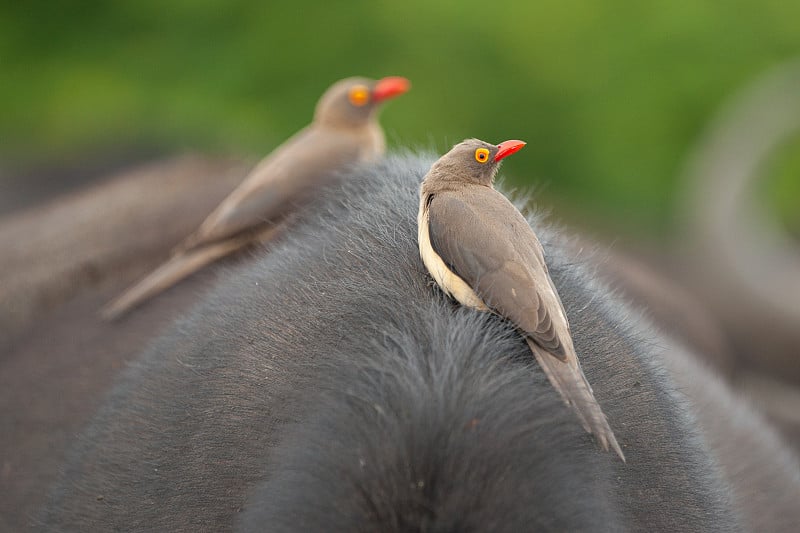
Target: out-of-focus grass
783	186
609	95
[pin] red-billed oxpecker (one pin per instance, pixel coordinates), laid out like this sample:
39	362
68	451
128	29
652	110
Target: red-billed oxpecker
345	131
481	251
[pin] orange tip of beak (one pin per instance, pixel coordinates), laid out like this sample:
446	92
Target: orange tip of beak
390	87
506	148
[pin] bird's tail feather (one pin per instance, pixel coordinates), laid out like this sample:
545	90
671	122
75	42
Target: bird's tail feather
568	379
168	274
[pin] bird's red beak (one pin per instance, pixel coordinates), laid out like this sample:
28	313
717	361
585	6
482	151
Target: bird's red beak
390	87
507	148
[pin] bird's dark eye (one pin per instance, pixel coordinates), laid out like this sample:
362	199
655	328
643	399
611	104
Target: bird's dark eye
358	95
481	155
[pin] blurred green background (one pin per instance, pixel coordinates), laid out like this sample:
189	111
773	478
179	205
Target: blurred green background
609	95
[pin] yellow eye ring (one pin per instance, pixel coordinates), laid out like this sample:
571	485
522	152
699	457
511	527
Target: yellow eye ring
481	155
358	95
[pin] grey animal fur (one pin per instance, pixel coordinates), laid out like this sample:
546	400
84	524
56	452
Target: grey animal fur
328	386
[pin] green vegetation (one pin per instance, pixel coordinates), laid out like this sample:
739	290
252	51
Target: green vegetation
609	95
782	186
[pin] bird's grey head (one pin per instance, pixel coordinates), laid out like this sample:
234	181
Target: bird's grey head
472	161
352	102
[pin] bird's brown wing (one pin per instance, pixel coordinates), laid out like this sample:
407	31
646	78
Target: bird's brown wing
482	237
487	243
284	178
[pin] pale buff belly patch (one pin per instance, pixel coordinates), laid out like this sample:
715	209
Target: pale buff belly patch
444	277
